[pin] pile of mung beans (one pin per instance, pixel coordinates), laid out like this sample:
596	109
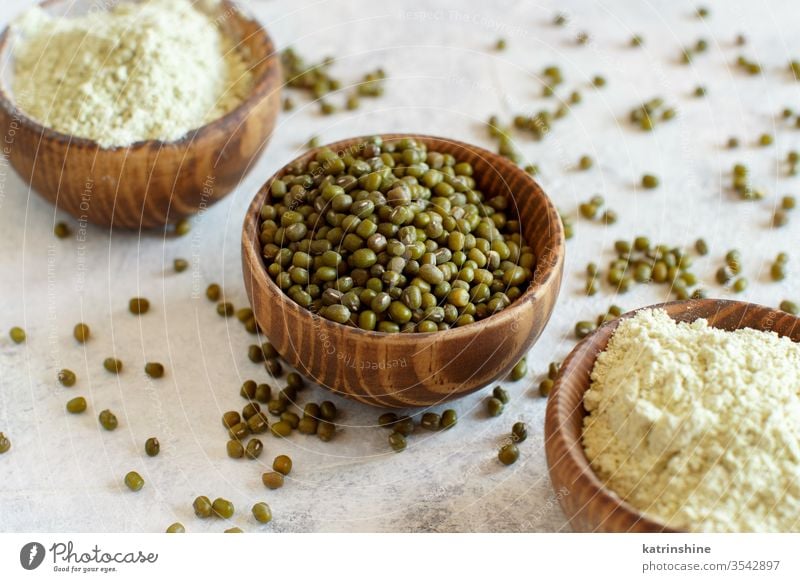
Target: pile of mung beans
392	237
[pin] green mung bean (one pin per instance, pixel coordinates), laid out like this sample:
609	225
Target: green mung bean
222	508
519	432
139	305
262	512
81	333
239	431
397	441
404	425
202	507
789	307
248	389
326	431
701	246
295	380
152	447
263	393
180	265
431	421
154	370
17	335
108	420
62	230
182	227
494	406
500	394
282	464
508	454
281	429
307	425
519	370
274	367
272	480
649	181
235	449
254	449
257	424
113	365
449	419
134	481
67	378
213	292
76	405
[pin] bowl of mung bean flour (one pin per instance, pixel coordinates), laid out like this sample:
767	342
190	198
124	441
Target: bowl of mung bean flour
139	114
402	270
683	416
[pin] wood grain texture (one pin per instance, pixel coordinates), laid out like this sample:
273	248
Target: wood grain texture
587	503
150	183
410	370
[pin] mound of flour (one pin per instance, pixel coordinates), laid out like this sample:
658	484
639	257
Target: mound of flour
696	426
150	70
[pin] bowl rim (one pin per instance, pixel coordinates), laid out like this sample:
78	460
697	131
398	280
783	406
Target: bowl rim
540	281
573	460
261	88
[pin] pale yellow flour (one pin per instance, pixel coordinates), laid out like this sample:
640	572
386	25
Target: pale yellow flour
150	70
697	426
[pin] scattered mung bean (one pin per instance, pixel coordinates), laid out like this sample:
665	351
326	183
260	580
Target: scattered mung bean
108	420
67	378
494	406
134	481
282	464
154	370
397	441
235	449
222	508
152	447
272	480
254	449
519	370
113	365
81	333
202	507
262	512
519	432
139	305
17	335
508	454
76	405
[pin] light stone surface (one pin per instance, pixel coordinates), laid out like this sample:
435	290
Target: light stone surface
64	473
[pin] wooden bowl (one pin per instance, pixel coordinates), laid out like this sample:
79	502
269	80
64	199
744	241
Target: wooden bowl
150	183
408	370
588	504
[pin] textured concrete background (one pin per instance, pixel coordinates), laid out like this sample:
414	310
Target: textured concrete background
65	473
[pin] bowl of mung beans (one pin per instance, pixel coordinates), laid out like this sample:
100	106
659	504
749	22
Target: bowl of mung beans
402	270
